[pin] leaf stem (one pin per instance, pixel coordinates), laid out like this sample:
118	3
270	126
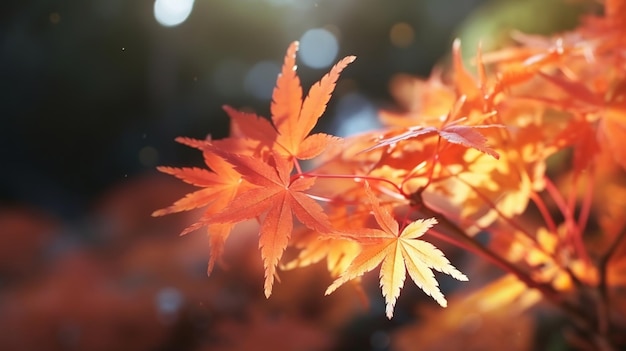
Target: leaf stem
355	178
574	234
543	209
501	215
583	216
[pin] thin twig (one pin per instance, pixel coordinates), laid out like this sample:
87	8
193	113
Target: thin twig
603	264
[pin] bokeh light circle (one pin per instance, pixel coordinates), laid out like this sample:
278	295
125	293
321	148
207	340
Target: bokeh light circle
260	79
402	34
318	48
171	13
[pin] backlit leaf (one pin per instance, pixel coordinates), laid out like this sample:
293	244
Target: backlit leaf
277	197
398	252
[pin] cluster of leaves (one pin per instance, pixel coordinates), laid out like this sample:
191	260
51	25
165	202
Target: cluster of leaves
471	153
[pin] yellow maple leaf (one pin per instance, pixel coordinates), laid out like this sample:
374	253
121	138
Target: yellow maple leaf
399	253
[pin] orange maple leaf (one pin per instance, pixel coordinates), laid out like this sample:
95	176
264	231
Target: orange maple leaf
219	187
251	126
273	193
250	171
293	118
467	136
399	252
338	252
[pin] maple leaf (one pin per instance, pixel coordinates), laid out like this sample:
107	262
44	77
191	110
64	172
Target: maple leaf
399	253
293	118
464	81
211	183
581	135
279	197
251	126
464	135
339	252
219	187
613	133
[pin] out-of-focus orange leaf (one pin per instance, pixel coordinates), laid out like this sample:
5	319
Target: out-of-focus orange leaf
260	331
25	235
613	133
252	126
491	318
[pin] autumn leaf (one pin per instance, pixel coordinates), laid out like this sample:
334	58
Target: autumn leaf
279	197
287	95
582	137
251	126
339	252
398	253
613	133
219	187
469	137
215	162
464	135
293	118
464	81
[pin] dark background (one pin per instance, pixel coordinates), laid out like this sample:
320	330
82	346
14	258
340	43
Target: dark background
86	85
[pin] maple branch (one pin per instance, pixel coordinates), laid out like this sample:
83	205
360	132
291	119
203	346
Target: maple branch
501	215
603	264
577	235
546	290
522	230
553	229
585	209
488	254
574	234
543	209
536	245
431	170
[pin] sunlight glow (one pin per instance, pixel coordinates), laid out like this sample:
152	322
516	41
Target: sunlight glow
171	13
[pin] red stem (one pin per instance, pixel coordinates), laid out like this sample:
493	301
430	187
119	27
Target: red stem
574	234
356	178
543	209
583	217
